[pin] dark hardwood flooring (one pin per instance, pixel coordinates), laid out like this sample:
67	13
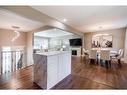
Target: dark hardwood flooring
22	79
84	76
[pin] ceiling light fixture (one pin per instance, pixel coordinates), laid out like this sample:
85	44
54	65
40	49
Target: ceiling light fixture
17	33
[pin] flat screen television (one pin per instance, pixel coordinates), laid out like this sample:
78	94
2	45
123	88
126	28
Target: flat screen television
75	42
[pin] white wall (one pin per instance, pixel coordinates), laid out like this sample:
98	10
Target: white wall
125	48
7	35
118	38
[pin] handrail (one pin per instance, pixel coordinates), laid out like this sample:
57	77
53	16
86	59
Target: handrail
11	61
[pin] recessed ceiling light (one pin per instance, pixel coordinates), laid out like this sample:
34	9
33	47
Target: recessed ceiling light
64	20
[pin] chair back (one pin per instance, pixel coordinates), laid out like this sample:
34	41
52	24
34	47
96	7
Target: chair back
105	54
84	49
93	54
120	53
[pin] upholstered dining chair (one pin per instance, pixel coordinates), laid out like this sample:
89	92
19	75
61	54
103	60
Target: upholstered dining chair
118	57
105	55
86	57
93	56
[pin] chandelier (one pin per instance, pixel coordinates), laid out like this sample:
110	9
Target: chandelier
16	32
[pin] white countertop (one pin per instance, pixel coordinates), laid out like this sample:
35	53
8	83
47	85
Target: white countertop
52	53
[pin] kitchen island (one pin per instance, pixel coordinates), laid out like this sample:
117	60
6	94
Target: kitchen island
51	67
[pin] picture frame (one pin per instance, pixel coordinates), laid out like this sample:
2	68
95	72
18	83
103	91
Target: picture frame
96	42
102	41
107	41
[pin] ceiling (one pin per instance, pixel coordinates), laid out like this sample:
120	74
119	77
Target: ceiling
82	18
88	18
52	33
9	19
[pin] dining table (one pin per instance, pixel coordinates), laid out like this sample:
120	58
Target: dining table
113	53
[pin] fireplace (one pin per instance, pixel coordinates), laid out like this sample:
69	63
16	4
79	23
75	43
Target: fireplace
74	52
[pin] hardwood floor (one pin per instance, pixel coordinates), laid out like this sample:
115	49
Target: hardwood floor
114	77
92	76
22	79
84	76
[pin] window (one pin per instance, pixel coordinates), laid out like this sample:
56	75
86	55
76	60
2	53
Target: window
40	43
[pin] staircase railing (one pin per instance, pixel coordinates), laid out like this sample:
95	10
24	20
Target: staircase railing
11	61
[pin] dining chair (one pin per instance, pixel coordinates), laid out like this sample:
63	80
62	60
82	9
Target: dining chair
86	57
93	56
105	56
118	57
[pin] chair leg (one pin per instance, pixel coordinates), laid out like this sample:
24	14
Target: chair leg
94	61
119	63
90	61
106	63
97	61
101	63
110	63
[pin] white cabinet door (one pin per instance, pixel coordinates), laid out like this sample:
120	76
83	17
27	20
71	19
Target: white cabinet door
61	67
67	60
64	66
52	76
